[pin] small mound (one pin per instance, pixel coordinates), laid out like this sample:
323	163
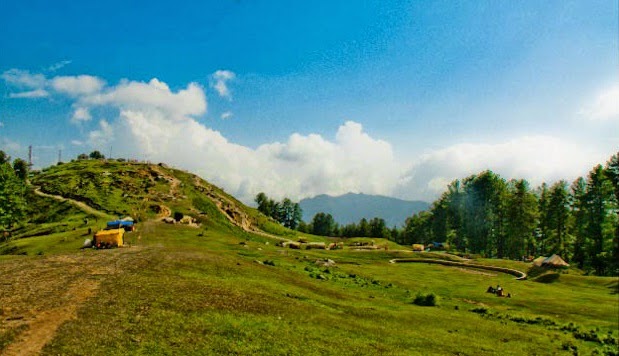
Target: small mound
547	278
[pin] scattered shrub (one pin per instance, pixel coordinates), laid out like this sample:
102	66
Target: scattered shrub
480	310
426	300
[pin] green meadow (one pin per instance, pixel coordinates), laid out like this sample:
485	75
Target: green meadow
217	289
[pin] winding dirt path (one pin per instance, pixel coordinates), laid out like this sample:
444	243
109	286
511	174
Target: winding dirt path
518	274
84	207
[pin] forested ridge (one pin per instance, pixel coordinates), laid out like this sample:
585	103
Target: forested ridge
488	215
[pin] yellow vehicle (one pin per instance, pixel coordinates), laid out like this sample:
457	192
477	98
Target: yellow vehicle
109	238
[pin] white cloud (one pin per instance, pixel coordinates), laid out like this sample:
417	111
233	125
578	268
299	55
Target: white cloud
605	106
102	136
535	158
226	115
221	78
77	85
81	114
1	124
56	66
24	79
31	94
154	95
157	124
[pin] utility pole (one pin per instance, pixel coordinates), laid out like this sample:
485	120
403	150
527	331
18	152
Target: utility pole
110	156
59	155
30	155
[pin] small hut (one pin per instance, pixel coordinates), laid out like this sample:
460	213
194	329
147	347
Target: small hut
552	261
538	261
555	261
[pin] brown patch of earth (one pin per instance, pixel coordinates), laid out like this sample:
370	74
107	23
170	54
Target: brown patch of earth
38	295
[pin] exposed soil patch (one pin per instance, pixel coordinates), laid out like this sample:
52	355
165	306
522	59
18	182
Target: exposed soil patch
38	295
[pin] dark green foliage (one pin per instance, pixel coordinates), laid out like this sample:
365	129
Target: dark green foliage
426	300
323	224
376	227
488	216
96	155
12	197
480	310
521	217
4	158
285	212
21	168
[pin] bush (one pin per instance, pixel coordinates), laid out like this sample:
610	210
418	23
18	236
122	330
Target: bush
426	300
480	310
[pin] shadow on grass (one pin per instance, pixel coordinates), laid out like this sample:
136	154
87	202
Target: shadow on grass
547	278
614	287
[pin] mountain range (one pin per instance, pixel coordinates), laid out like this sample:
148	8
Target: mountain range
350	208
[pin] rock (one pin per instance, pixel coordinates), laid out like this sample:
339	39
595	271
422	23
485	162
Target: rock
87	243
168	220
325	263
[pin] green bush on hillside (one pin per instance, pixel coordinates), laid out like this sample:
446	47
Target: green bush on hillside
426	300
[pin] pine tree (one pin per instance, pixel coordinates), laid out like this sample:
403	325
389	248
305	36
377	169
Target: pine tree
521	219
557	217
578	228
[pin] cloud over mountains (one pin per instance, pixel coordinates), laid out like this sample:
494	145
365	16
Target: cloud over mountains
153	122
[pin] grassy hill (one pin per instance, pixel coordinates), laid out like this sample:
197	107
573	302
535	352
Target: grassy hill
145	191
227	288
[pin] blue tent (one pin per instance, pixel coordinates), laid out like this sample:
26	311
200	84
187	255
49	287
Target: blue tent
117	224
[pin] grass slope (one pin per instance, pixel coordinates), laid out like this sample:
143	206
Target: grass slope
146	191
222	290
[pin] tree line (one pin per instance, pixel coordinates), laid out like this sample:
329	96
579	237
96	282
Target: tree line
487	215
323	224
290	215
285	212
13	190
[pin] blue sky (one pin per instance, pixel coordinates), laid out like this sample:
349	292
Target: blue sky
303	98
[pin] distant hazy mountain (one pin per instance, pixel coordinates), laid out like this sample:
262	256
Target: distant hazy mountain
349	208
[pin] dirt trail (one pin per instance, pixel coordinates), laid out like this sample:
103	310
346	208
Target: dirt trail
44	293
174	182
79	204
42	329
518	274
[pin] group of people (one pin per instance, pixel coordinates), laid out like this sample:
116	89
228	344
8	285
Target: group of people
498	291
